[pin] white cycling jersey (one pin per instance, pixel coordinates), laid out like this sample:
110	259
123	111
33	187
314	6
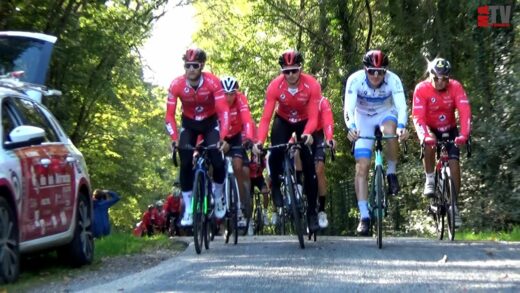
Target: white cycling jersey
360	97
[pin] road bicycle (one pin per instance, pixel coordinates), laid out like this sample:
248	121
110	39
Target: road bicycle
377	196
201	204
444	202
294	208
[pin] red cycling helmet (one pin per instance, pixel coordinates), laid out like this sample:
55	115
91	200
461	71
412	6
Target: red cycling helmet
290	58
375	59
194	55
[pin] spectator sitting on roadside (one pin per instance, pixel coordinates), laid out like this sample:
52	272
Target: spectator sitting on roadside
102	201
149	220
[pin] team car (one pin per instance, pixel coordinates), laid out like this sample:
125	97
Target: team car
45	201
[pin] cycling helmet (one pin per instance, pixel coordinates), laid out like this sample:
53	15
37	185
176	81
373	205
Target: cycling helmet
159	203
194	55
229	84
290	58
439	67
375	59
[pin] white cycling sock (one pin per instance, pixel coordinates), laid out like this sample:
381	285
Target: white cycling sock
391	167
218	189
363	209
186	196
430	178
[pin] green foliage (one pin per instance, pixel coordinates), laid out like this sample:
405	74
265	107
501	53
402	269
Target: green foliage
117	120
513	235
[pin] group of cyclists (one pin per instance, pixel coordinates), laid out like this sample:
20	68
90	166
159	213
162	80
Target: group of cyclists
374	97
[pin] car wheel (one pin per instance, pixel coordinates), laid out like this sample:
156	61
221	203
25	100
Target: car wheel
9	248
80	251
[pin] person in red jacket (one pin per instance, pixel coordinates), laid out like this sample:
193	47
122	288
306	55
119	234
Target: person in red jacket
435	101
148	220
324	134
239	121
297	95
172	210
202	101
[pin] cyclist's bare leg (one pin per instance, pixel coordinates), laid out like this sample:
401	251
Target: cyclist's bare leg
455	174
361	179
391	147
429	159
322	180
239	174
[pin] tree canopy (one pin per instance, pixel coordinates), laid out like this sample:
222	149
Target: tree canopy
117	119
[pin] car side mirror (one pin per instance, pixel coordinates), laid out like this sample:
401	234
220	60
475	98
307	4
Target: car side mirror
25	135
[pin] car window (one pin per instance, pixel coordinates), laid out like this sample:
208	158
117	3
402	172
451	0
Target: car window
32	115
8	122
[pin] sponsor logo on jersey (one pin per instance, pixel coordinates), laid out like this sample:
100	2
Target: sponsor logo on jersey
433	100
199	109
186	89
282	97
442	117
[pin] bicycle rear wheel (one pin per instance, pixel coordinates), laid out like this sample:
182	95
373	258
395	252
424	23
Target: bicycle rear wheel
198	221
234	207
451	196
379	197
258	217
206	221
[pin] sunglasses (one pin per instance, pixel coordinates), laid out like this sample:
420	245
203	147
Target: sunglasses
290	71
373	71
192	65
443	78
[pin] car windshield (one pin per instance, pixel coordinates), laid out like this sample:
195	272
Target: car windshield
27	52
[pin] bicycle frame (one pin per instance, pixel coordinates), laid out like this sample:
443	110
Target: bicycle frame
377	199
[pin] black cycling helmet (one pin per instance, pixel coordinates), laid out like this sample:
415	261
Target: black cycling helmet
290	58
439	67
375	59
194	55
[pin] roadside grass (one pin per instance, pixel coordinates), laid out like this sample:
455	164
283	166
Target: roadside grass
513	235
47	267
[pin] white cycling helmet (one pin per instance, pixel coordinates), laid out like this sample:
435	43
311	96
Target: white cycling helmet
229	84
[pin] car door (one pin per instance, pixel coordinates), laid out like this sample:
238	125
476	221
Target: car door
46	175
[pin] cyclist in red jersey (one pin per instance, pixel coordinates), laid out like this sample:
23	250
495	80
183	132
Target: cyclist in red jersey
324	132
257	166
240	120
202	101
434	103
297	95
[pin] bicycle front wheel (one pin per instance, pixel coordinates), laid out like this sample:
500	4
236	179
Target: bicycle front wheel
379	188
451	197
198	212
438	207
297	217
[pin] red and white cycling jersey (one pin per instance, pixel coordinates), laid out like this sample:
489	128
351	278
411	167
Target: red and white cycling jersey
326	120
292	107
198	104
240	118
436	109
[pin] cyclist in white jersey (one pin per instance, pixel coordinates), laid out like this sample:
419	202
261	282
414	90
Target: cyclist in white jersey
374	97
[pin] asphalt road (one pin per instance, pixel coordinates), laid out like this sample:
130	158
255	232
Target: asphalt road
332	264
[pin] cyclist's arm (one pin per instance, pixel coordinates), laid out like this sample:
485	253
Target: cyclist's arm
312	108
245	116
350	102
419	113
399	102
171	105
270	103
327	119
464	109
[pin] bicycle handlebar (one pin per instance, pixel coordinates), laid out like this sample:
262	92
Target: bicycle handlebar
199	148
442	142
